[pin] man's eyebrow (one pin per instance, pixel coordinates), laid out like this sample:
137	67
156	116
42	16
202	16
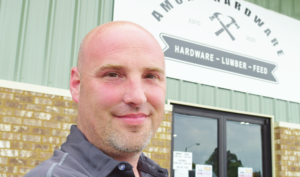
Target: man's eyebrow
155	69
110	66
119	67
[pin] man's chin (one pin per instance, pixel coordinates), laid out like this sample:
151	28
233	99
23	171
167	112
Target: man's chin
130	142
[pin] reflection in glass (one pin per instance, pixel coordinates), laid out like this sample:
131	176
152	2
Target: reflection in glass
198	135
244	147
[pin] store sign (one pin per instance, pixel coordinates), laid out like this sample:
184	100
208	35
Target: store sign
245	172
204	171
229	44
182	160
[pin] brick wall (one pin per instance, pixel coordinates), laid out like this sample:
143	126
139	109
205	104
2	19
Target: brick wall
287	150
33	125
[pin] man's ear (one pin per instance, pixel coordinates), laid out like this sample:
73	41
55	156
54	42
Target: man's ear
75	84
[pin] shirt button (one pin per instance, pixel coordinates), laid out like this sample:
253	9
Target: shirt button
121	167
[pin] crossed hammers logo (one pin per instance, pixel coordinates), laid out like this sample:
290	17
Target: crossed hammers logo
224	27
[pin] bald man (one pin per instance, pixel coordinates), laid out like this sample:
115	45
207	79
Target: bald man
120	85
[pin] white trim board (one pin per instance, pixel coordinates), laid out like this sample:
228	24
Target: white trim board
287	125
35	88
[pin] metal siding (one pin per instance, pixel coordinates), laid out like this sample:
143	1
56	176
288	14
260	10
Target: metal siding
189	92
295	112
224	98
290	8
207	95
40	41
239	101
281	111
213	96
173	89
32	48
254	103
268	106
9	35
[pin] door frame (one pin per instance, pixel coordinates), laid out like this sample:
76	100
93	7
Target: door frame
270	117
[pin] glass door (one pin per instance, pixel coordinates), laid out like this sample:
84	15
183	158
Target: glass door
219	144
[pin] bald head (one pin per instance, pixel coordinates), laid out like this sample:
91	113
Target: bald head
104	35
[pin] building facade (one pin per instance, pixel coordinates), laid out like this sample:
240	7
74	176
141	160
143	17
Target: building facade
218	129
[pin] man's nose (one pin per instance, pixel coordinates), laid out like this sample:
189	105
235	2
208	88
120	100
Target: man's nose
135	93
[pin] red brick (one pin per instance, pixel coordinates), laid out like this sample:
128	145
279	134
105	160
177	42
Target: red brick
52	140
42	115
21	129
158	156
17	161
8	169
60	133
6	111
46	155
43	147
34	162
9	153
33	93
61	103
32	138
24	170
5	127
23	113
68	111
13	104
67	98
33	107
52	124
61	118
29	154
6	96
11	136
42	101
52	96
40	131
32	122
23	98
3	160
52	109
20	145
13	90
11	120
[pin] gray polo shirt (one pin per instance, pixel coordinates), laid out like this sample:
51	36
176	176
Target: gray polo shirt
79	158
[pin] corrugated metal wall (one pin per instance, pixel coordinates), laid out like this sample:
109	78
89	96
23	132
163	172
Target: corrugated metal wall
40	38
290	8
180	90
39	41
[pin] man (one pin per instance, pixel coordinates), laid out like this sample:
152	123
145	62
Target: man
120	86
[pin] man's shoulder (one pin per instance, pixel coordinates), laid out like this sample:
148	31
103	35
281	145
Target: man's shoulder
149	166
60	164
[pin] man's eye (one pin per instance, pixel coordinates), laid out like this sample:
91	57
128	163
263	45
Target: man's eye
112	75
150	76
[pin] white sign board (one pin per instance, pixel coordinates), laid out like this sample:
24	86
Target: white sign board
203	171
181	173
182	160
245	172
229	44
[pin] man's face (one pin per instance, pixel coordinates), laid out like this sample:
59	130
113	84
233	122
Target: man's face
122	90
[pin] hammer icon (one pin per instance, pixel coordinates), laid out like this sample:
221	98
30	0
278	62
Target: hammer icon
224	27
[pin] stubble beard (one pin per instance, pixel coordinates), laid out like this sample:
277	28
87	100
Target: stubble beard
128	144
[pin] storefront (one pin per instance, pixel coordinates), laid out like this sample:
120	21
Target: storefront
232	105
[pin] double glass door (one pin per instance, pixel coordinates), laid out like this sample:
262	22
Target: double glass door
229	143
